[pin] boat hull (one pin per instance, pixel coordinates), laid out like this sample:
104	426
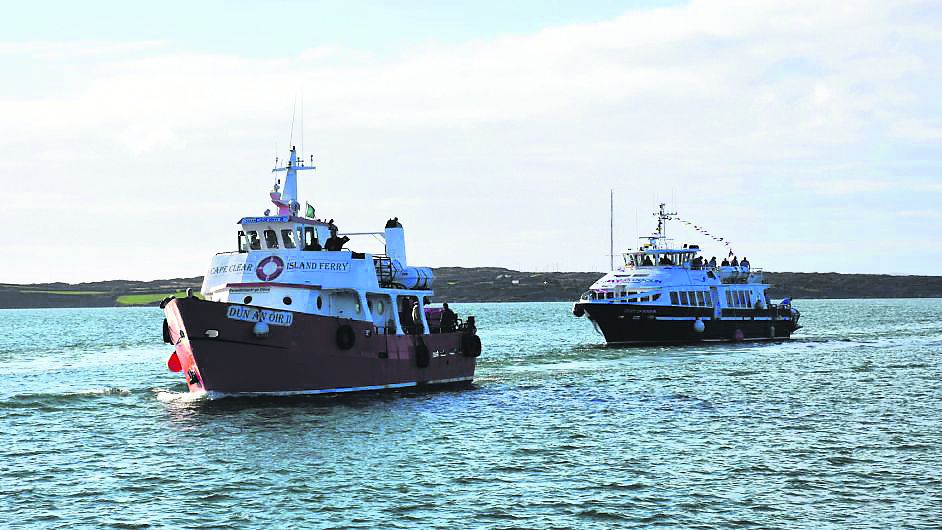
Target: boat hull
639	324
313	354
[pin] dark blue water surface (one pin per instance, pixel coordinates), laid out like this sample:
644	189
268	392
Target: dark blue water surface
841	427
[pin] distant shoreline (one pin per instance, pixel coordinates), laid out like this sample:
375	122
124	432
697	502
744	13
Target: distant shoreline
475	284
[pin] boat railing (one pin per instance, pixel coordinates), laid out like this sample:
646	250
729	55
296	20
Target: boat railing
738	274
384	270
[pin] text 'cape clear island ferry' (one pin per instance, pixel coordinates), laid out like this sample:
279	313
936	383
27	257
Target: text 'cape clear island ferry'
292	311
664	294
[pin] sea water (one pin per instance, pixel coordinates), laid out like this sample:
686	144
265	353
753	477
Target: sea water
840	427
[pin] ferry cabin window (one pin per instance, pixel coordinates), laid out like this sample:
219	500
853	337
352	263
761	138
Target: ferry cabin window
610	294
700	301
683	298
287	235
729	299
271	239
693	297
254	242
243	242
674	299
749	298
310	239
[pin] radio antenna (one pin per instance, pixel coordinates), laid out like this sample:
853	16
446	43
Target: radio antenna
294	112
611	229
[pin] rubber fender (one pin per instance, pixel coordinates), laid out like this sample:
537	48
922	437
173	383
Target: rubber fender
422	356
470	345
346	338
167	338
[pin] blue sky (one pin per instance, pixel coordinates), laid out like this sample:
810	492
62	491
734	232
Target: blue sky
275	27
809	134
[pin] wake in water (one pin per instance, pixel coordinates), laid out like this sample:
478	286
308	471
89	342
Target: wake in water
170	396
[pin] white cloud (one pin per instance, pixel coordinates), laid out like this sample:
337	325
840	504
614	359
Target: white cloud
724	104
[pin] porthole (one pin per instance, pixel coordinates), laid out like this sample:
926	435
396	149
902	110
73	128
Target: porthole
286	300
320	302
247	300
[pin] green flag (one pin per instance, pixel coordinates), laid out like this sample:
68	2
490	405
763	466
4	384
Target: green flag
310	211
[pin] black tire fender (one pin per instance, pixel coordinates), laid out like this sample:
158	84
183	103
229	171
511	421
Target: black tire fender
166	330
470	345
422	356
346	338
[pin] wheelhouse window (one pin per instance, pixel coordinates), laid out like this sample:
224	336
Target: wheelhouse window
674	299
271	239
254	242
287	235
310	239
243	243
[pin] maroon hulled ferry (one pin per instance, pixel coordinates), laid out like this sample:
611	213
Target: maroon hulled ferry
293	311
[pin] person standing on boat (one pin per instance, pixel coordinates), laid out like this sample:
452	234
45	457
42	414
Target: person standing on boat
416	317
713	262
735	262
744	263
449	319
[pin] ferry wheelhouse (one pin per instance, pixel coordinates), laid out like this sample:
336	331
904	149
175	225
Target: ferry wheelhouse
665	294
293	310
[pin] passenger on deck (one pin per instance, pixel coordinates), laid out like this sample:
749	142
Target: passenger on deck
393	223
647	262
744	263
332	227
725	263
416	318
713	262
449	319
735	262
665	261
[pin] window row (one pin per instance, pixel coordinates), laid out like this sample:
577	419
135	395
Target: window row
611	295
289	238
736	298
691	298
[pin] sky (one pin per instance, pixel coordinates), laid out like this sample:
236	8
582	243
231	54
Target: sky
809	134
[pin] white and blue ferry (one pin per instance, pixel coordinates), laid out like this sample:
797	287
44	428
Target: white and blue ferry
663	293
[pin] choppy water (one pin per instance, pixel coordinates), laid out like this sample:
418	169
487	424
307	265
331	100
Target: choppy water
841	427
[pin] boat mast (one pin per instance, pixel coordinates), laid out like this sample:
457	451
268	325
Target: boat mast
611	229
287	200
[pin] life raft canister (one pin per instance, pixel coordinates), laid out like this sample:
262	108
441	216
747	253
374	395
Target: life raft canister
346	338
470	345
266	277
422	356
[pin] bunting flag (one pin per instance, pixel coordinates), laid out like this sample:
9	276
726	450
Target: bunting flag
704	231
